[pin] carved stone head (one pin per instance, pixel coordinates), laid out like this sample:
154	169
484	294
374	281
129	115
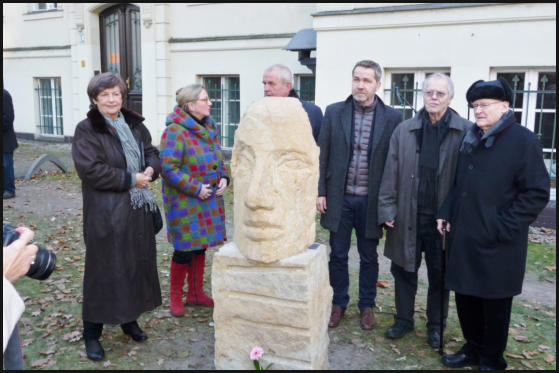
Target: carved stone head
274	165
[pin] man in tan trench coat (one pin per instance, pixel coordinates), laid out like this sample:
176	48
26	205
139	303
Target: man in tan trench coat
417	176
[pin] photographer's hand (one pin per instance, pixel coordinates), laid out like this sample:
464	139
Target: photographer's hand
17	257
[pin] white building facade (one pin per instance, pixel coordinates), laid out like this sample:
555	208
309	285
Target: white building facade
51	51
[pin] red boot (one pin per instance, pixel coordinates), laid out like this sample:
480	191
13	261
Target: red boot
195	294
178	273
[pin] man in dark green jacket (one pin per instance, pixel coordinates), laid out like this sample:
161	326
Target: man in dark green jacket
353	142
418	174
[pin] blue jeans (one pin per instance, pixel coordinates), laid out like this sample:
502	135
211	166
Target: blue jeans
354	215
8	172
13	356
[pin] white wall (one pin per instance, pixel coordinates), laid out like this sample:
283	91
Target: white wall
469	40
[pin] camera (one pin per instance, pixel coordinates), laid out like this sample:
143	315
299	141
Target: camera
45	260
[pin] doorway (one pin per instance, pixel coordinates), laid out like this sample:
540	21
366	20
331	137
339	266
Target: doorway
121	49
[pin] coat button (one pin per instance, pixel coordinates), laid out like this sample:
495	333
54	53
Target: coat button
409	228
471	167
412	176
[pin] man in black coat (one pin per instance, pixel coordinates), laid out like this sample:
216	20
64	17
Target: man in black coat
278	82
9	144
501	186
354	140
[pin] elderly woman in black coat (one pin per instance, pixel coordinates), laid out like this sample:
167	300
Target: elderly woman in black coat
500	188
120	278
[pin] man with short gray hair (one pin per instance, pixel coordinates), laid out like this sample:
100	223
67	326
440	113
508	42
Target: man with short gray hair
417	176
278	82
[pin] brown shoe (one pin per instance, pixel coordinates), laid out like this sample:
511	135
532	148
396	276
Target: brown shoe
368	319
336	315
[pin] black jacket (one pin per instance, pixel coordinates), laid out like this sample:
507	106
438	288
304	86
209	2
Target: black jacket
314	113
9	141
500	188
336	146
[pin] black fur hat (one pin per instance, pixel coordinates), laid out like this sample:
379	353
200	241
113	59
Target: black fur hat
498	89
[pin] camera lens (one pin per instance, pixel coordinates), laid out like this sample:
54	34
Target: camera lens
45	260
43	266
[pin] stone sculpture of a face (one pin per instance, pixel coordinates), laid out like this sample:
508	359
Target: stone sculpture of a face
274	166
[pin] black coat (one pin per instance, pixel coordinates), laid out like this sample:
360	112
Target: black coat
9	141
120	279
313	112
499	190
336	146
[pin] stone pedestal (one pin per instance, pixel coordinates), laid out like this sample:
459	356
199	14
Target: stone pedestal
283	307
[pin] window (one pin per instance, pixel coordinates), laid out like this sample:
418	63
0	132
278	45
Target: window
49	96
38	7
404	89
535	105
305	87
224	91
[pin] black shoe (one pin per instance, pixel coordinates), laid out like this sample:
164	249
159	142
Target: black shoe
459	360
398	331
133	330
94	349
433	338
8	195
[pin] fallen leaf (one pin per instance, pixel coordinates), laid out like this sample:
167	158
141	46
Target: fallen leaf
379	339
107	364
521	338
420	334
526	364
515	356
542	348
160	362
40	363
550	268
526	355
383	284
549	359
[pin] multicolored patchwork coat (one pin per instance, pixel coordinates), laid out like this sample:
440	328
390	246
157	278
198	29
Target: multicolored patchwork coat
191	156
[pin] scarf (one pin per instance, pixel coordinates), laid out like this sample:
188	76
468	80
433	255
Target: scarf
183	118
475	135
138	196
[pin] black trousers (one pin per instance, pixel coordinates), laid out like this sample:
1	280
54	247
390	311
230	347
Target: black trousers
485	326
405	283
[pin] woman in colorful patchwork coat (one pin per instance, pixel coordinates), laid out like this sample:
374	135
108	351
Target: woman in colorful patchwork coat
194	180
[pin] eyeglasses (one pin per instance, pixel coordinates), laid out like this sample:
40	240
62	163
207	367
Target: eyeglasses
437	94
207	100
483	105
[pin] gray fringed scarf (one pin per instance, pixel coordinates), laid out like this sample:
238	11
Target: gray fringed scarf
138	196
475	135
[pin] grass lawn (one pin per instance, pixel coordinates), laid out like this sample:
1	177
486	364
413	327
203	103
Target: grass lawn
51	325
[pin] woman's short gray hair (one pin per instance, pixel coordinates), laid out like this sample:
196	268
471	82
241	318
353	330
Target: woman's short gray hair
103	81
189	93
440	76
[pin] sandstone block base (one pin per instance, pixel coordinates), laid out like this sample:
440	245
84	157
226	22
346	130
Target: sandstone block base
283	307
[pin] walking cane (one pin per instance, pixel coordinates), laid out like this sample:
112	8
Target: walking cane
443	270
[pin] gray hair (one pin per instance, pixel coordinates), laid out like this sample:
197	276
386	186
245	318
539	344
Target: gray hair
369	64
284	72
103	81
440	76
189	93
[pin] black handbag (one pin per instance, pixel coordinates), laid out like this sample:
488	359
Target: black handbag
157	220
156	215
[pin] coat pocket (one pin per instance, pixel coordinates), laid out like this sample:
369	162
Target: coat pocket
488	234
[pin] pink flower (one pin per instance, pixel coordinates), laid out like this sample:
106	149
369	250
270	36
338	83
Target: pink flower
256	353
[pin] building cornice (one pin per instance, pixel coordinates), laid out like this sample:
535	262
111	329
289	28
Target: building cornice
400	8
44	48
231	37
